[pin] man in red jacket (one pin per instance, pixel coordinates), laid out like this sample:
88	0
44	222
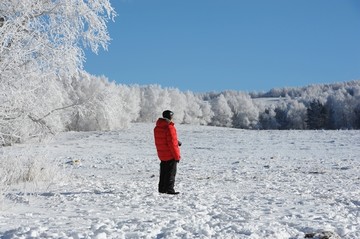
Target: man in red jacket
167	146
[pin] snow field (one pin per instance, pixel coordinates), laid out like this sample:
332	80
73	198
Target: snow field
233	183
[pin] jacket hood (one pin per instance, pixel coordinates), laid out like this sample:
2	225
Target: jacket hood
162	122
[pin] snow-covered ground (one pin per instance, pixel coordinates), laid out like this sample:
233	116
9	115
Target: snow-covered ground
233	183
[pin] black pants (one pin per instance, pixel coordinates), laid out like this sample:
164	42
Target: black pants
167	176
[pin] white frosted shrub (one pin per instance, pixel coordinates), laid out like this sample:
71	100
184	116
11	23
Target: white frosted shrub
22	168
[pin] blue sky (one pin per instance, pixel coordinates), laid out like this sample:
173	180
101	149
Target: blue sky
244	45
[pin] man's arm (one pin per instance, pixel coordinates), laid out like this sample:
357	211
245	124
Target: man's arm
173	142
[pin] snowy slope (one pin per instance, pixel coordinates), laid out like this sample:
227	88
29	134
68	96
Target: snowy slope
233	183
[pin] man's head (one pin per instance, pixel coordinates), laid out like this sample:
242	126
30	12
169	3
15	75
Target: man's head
168	114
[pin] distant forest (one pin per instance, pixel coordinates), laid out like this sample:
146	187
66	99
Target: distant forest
108	106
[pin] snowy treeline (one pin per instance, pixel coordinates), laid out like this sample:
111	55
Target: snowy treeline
108	106
86	103
103	105
111	106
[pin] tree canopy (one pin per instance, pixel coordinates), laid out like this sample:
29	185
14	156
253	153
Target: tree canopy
41	47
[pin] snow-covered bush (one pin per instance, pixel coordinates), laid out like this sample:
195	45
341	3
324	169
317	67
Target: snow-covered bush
23	168
26	168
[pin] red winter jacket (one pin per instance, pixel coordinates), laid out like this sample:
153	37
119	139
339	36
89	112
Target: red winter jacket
166	141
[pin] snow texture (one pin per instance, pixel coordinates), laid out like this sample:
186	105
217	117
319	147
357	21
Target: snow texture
233	183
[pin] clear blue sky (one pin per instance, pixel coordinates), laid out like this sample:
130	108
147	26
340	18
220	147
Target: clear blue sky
244	45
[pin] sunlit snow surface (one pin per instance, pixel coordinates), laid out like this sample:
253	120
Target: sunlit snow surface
233	183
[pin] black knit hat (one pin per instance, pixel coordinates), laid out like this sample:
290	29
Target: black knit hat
168	114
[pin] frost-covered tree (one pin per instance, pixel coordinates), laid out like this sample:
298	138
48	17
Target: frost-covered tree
316	115
198	111
357	117
206	113
222	112
130	97
177	104
296	114
41	41
340	106
245	113
267	119
99	104
193	112
154	100
281	118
